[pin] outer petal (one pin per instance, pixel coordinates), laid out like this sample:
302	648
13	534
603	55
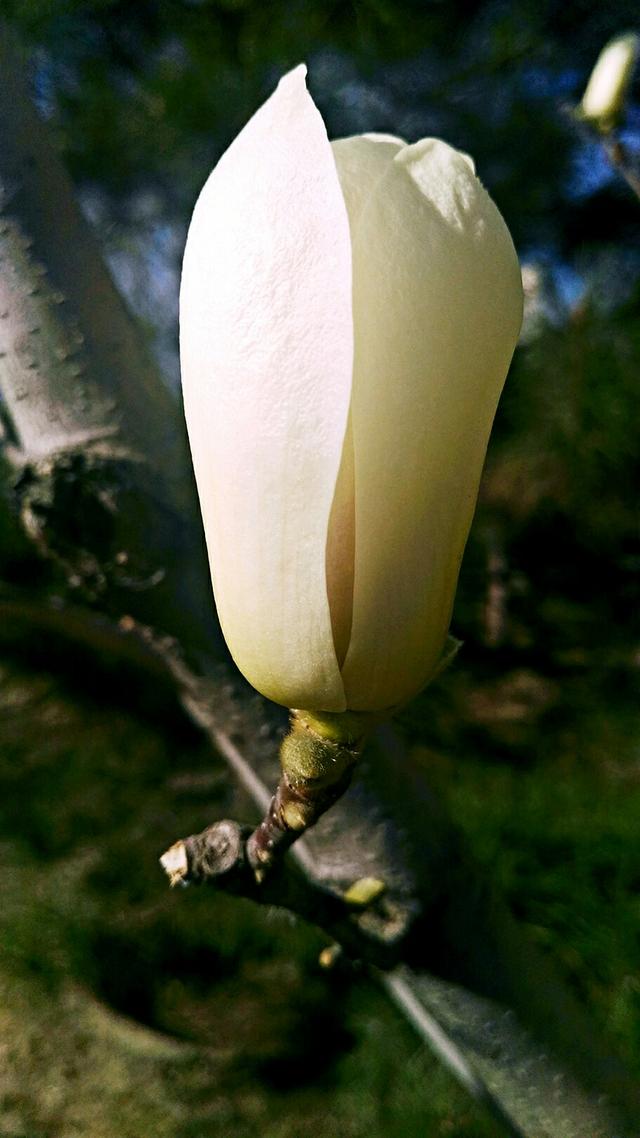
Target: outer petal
267	352
437	310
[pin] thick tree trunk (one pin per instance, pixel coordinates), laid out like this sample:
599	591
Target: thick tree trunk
105	485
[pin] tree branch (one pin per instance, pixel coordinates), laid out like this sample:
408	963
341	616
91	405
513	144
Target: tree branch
104	482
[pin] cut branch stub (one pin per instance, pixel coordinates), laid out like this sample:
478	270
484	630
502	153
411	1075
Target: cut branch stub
218	856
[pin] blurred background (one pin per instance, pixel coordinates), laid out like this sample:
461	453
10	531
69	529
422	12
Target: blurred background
126	1012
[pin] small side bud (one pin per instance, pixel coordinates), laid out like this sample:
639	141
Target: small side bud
606	93
330	956
364	892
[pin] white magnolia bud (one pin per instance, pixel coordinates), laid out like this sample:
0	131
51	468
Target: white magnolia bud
603	101
348	315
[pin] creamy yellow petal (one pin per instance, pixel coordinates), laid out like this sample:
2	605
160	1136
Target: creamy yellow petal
437	309
267	351
361	160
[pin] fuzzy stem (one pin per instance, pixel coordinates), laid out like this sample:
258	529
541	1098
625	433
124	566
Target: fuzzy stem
317	758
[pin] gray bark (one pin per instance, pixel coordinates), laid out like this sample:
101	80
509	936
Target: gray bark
105	486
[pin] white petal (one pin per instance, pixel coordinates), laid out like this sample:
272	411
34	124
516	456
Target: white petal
437	309
267	352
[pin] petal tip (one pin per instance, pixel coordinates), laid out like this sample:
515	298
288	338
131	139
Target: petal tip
294	80
380	136
433	150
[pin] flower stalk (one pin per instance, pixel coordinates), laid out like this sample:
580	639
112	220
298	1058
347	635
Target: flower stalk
317	759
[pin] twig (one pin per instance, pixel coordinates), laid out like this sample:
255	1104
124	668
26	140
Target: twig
218	856
614	148
620	159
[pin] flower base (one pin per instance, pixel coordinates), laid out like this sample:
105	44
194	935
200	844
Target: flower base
318	758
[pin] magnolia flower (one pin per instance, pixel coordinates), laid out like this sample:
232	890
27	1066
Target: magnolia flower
604	98
348	315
